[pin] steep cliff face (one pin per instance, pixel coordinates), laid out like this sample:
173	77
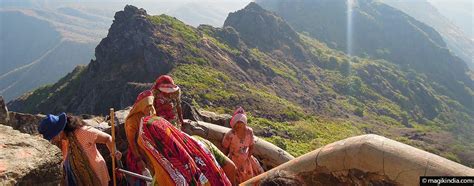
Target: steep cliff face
300	94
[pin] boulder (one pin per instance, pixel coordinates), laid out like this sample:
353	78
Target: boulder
27	159
218	119
367	160
26	123
192	113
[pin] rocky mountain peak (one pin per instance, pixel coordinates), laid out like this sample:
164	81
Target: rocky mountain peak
127	56
264	30
129	42
252	6
129	11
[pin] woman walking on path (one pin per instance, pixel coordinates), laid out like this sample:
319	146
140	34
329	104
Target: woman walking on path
82	162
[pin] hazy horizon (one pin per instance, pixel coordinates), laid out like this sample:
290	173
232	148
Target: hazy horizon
177	8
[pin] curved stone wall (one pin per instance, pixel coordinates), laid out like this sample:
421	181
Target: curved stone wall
368	159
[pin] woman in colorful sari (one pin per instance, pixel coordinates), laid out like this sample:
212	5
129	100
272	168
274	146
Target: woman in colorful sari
142	107
238	143
168	100
82	162
173	157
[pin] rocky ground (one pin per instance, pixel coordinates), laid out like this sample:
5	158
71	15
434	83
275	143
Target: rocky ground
27	159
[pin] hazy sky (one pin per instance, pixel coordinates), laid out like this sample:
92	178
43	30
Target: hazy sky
193	12
460	12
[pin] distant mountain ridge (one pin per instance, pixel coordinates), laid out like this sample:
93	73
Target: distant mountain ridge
457	11
457	40
38	47
299	93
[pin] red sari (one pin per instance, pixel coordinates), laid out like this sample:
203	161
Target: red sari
193	162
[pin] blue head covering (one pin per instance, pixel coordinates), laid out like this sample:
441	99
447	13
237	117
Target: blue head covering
52	125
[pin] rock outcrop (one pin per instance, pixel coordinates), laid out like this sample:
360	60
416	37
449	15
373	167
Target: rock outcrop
214	118
265	30
123	58
3	111
367	160
27	160
26	123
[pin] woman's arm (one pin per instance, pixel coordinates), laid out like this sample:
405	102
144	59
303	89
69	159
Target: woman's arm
226	142
106	139
131	133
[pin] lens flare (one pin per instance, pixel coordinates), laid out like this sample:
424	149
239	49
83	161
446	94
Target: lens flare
349	28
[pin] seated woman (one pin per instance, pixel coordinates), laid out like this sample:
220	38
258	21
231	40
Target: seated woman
173	157
238	143
82	162
168	100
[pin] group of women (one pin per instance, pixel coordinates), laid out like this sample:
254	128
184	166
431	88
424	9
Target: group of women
156	144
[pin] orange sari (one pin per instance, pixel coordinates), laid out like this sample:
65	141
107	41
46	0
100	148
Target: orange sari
137	145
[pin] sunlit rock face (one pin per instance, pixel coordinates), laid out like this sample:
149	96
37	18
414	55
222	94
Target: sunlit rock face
27	159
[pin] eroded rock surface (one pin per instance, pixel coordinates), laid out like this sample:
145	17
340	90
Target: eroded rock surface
27	159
